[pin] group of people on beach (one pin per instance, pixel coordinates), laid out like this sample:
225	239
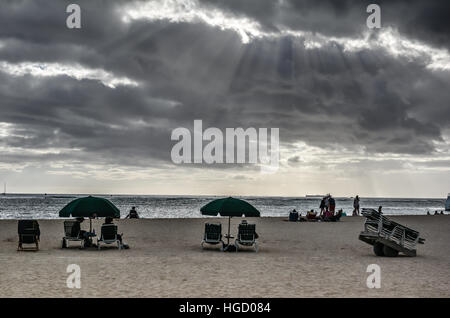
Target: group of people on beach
327	212
435	213
86	236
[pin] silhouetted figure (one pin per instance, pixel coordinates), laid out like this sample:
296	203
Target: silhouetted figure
132	214
356	206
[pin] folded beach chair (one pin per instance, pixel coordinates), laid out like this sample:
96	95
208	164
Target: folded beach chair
388	237
72	233
213	234
109	235
246	236
29	233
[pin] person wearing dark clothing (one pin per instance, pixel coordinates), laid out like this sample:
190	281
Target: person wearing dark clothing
76	229
322	206
109	220
132	214
332	204
356	206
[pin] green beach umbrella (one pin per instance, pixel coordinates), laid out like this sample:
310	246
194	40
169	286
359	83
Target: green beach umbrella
229	207
90	207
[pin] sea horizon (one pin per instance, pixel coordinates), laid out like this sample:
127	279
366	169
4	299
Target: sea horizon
47	206
217	195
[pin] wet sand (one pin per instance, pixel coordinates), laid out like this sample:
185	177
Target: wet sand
165	259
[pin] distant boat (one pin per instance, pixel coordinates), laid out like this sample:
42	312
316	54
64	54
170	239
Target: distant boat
447	203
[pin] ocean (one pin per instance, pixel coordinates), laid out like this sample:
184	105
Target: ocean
20	206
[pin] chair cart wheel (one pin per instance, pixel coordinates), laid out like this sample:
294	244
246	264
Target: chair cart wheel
63	243
378	249
389	251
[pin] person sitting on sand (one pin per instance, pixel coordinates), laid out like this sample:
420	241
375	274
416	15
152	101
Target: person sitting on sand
337	217
435	212
293	216
132	214
327	215
311	215
379	209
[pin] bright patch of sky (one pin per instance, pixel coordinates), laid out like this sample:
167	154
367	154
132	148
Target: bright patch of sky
192	11
75	71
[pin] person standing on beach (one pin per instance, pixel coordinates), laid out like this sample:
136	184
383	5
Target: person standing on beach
332	204
322	206
132	214
356	206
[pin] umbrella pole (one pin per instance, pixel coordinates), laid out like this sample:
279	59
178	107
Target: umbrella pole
90	226
228	237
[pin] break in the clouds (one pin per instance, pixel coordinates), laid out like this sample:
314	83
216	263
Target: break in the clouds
92	109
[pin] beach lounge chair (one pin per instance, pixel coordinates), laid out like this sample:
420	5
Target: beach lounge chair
109	235
246	236
388	237
29	233
72	232
213	234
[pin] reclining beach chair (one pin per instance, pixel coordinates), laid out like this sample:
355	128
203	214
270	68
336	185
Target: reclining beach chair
246	236
213	234
388	237
109	235
72	233
29	233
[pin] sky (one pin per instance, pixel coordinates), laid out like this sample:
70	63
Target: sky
359	111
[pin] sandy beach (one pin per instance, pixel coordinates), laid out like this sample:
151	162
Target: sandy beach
165	260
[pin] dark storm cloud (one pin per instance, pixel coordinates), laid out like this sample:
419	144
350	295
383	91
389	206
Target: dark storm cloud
325	96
